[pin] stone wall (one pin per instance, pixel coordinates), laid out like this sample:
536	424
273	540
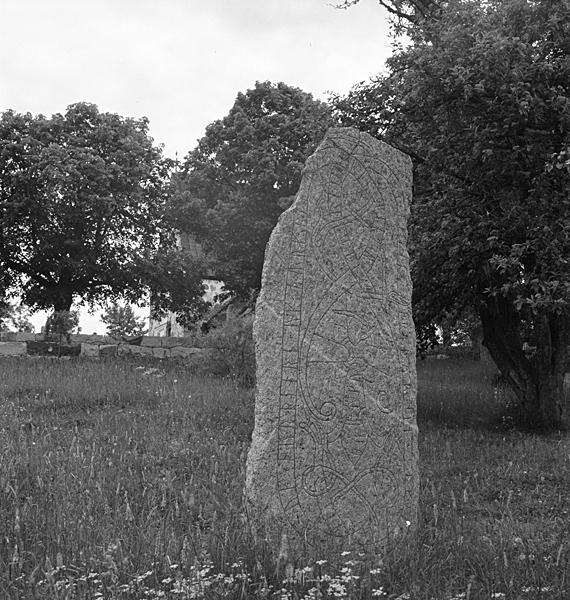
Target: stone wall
96	346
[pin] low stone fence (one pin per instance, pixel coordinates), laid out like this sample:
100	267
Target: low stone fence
96	346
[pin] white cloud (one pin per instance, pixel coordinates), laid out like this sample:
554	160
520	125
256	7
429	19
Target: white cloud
180	62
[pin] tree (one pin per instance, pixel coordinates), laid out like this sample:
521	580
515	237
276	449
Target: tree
481	101
411	11
244	172
15	316
82	200
121	320
63	322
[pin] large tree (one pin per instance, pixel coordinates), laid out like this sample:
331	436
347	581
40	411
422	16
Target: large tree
244	172
82	199
480	99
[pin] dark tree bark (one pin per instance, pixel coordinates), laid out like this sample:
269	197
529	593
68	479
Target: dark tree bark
537	380
551	356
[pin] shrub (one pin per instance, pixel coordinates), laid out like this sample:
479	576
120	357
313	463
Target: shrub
122	321
233	353
62	322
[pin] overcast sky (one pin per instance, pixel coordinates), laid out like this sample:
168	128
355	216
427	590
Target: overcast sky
180	63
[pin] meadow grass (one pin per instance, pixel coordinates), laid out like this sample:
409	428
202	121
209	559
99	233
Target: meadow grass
124	480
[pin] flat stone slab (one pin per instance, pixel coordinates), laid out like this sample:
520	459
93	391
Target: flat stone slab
126	349
13	348
152	340
94	339
161	352
22	336
183	352
8	336
173	342
90	350
333	462
108	350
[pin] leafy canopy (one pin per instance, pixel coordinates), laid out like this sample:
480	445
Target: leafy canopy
481	102
480	99
244	172
15	317
82	199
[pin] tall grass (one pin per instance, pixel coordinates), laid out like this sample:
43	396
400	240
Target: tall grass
124	480
460	392
112	464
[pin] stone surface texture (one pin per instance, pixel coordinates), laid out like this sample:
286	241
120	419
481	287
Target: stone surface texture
12	348
99	346
90	350
333	461
108	349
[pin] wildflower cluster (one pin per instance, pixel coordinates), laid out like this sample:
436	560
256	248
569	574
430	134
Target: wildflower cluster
200	582
319	583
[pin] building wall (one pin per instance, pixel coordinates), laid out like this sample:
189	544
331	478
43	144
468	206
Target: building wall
168	327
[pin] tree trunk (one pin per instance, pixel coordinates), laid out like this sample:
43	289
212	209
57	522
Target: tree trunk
538	381
63	301
552	333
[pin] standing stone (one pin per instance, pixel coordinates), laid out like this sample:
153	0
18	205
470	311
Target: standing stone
333	462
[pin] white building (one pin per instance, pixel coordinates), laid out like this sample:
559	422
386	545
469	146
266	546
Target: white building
168	327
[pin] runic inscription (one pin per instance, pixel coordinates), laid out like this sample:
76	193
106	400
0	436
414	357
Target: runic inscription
334	450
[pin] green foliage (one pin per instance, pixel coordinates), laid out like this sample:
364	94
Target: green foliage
460	328
234	352
82	199
481	101
124	480
62	322
122	321
244	172
175	280
15	317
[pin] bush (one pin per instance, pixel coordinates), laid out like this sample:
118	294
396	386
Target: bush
122	321
233	353
63	322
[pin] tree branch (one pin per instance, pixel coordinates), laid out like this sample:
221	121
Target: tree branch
422	9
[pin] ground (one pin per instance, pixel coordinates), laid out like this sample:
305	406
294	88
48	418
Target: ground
124	480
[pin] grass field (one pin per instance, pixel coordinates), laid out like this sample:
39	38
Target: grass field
125	481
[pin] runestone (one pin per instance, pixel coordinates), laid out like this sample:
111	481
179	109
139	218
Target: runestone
334	460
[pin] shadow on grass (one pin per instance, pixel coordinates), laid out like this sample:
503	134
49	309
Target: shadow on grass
460	393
